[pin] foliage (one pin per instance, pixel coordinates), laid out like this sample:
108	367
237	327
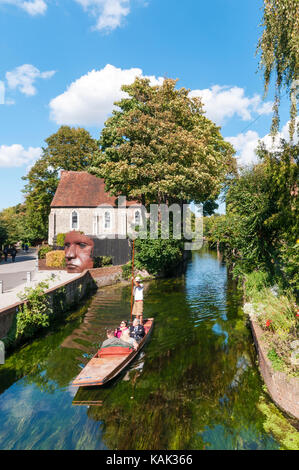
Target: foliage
158	256
55	259
127	270
277	316
106	260
276	362
14	225
43	251
60	239
68	149
279	49
3	234
263	213
158	147
255	282
35	312
100	261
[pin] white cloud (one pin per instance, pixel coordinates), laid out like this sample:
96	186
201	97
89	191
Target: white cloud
89	100
33	7
246	144
15	155
24	78
109	13
222	102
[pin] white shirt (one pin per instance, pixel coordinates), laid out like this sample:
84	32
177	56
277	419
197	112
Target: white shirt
138	292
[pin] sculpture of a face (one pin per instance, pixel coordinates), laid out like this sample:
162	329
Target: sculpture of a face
78	250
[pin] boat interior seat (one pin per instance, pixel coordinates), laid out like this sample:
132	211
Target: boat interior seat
114	351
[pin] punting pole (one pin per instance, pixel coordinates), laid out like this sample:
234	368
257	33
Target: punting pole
132	280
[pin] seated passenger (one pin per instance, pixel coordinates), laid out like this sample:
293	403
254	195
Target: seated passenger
113	341
125	336
123	326
137	330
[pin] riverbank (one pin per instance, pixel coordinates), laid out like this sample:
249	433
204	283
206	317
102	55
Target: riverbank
273	317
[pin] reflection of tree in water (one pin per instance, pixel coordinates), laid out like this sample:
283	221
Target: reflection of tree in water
181	392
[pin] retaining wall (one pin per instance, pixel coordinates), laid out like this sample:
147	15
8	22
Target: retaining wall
283	389
75	290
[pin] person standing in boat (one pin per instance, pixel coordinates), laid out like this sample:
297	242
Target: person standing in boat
138	299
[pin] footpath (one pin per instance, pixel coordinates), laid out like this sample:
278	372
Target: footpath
15	277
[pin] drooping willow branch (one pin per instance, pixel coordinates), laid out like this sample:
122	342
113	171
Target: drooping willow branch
279	53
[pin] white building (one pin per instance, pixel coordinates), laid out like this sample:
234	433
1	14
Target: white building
81	203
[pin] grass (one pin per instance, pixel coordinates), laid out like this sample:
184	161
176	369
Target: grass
276	313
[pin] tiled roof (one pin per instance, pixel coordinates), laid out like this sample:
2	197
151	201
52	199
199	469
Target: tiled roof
81	189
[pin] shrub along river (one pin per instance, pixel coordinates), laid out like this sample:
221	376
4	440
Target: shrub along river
195	385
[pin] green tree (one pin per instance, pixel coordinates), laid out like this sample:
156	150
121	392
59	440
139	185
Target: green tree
68	149
158	147
262	204
3	234
279	51
13	223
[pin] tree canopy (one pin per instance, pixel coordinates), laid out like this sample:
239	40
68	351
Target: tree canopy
158	147
260	229
279	51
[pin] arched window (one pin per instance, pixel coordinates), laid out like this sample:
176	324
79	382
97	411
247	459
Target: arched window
75	222
137	217
54	225
107	220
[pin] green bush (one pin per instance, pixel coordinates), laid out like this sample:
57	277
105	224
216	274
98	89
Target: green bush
43	251
127	270
255	282
35	313
277	362
60	239
106	260
100	261
158	256
55	259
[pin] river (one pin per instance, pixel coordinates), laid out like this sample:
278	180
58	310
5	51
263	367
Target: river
195	386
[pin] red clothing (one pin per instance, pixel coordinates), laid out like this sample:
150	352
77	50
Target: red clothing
119	332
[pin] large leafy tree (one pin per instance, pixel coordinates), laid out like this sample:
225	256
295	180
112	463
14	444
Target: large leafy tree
262	204
68	149
13	225
3	234
279	51
158	147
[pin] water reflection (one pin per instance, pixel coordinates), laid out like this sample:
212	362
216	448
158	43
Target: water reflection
194	386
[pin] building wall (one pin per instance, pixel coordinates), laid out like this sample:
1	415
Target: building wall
91	221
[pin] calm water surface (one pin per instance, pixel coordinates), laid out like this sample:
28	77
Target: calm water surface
195	385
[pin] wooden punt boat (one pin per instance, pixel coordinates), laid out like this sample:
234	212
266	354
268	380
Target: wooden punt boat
108	362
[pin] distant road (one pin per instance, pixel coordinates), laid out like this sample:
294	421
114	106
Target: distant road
15	274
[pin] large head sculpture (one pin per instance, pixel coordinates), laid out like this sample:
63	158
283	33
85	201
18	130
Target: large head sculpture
78	250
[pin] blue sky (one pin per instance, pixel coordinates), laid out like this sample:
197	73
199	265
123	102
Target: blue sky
62	62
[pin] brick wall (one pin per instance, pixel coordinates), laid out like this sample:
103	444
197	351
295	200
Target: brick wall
75	290
283	389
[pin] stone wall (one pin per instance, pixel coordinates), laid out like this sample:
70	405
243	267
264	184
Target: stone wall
73	291
283	389
107	275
